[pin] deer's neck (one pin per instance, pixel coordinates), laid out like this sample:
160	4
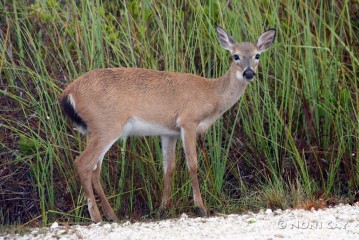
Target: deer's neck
229	88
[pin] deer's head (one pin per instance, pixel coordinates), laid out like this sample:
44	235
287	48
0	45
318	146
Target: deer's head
246	55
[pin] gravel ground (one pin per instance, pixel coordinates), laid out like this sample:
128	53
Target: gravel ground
340	222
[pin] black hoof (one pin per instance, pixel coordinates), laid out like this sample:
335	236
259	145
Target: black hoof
202	212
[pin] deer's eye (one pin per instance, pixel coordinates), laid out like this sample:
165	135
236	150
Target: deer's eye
236	57
257	56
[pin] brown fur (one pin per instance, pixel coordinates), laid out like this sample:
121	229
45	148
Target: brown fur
107	99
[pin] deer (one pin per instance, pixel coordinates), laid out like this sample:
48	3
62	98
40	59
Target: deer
111	103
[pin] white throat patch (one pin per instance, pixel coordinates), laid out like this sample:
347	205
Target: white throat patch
239	75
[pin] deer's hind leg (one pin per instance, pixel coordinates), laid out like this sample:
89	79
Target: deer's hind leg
96	183
88	166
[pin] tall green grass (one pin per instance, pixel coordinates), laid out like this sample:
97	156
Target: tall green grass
292	137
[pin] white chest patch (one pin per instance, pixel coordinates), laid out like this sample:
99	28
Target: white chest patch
138	127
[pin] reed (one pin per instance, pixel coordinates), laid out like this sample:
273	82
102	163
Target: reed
294	132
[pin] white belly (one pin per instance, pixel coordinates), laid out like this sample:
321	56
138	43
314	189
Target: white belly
137	127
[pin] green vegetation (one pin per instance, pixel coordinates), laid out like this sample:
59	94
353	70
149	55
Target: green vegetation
290	140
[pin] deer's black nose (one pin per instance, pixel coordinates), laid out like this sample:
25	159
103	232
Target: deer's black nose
249	74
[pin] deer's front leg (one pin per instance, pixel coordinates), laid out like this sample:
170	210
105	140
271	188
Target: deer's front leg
188	135
168	152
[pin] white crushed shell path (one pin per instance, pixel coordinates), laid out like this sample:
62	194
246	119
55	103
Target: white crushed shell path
340	222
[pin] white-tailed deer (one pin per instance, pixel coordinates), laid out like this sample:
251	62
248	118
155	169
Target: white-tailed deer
117	102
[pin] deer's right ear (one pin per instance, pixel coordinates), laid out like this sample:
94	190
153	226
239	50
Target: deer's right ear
225	39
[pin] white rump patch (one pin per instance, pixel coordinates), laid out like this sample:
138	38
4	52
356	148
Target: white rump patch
82	130
72	100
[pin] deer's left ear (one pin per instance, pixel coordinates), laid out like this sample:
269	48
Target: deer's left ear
266	40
